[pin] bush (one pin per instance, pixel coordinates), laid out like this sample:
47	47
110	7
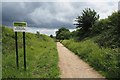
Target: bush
104	60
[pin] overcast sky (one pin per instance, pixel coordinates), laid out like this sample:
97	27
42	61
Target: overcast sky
52	15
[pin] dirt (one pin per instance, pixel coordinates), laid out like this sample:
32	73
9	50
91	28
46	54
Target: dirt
71	66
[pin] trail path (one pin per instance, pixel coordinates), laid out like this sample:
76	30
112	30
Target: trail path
71	66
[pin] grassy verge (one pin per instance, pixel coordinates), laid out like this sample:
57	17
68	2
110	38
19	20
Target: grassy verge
104	60
41	53
0	51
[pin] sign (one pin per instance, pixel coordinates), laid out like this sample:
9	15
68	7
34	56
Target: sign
19	26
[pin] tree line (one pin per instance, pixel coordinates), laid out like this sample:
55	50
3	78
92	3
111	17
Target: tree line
88	24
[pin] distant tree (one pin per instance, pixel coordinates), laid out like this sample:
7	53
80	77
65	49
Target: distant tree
74	33
63	33
51	36
87	19
37	34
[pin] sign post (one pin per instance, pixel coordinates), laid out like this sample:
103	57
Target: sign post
24	48
20	27
17	64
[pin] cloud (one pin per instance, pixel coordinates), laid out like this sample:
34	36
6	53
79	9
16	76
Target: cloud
104	9
51	14
15	12
119	5
60	0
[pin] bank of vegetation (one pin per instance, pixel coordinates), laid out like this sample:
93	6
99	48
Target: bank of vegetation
41	55
96	41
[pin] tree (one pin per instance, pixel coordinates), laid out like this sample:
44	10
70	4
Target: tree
63	33
51	36
101	26
74	35
114	21
111	36
38	34
87	19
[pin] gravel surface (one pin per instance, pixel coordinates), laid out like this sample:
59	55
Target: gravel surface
71	66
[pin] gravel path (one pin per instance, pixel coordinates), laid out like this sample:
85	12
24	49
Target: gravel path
71	66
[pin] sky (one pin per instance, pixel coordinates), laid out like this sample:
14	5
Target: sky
47	17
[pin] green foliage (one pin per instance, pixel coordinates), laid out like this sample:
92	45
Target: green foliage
87	19
108	39
38	34
111	36
41	54
104	60
51	36
74	35
85	22
0	51
108	30
99	42
103	55
114	18
63	33
100	26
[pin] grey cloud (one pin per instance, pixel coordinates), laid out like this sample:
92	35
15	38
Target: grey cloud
13	12
23	12
55	25
55	13
46	14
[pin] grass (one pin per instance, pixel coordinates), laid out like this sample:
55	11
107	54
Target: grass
104	60
0	52
41	54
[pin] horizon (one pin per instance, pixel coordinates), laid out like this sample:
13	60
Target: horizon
46	31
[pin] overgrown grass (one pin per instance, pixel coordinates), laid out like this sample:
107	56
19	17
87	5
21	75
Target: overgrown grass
104	60
41	54
0	60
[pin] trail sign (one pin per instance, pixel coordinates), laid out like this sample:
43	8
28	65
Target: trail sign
19	26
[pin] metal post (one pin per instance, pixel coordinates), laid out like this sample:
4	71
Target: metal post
16	50
24	51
